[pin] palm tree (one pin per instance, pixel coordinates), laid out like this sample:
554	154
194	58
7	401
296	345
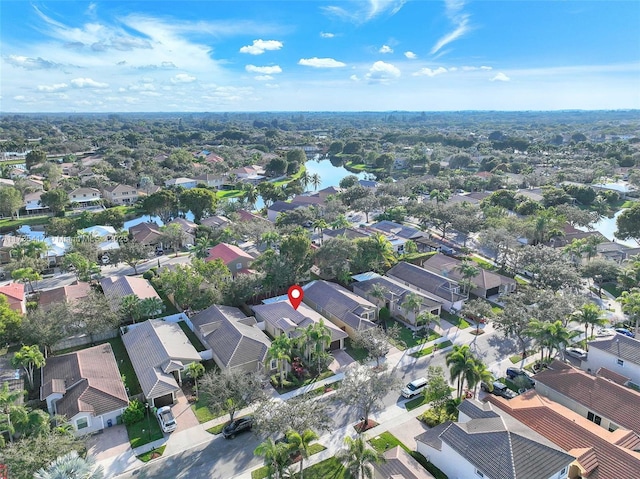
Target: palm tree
358	458
550	335
340	222
250	194
270	239
320	225
201	248
151	307
195	372
299	444
29	358
8	401
460	361
379	292
412	304
71	466
477	374
315	181
383	250
589	315
276	457
468	269
630	301
305	179
280	350
427	318
441	196
320	337
130	307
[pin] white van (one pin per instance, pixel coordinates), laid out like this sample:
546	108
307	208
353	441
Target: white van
414	388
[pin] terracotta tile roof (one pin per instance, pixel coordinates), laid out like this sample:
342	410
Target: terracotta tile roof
606	398
115	288
571	431
612	376
70	293
227	253
88	379
13	291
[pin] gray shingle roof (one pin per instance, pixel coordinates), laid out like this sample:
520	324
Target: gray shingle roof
427	281
340	302
448	267
156	348
397	229
619	345
232	336
400	465
396	291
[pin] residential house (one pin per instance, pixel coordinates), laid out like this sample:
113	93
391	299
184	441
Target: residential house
6	182
7	243
159	352
278	207
342	307
399	464
107	235
117	287
233	338
249	174
188	229
485	284
211	180
489	445
86	388
215	222
599	454
148	234
597	398
120	194
279	317
616	251
85	196
72	293
32	203
617	353
16	298
437	287
395	294
236	259
57	248
533	194
348	233
16	173
396	229
33	184
186	183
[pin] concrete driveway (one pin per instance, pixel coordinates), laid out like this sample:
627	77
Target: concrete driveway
113	441
183	413
407	431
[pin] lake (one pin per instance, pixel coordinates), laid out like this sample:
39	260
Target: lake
607	226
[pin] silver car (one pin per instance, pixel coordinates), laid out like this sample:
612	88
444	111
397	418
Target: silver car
576	353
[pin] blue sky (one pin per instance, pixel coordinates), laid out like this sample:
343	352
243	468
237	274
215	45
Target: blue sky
305	55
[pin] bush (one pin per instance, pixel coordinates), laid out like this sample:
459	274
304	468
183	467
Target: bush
134	413
384	314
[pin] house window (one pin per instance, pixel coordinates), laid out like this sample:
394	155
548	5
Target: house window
594	418
478	473
620	362
563	472
612	427
82	423
273	364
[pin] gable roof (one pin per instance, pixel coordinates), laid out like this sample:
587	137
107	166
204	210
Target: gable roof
604	397
69	293
349	233
611	453
502	449
620	346
396	291
397	229
117	287
186	225
399	464
426	280
232	336
89	381
156	348
119	187
448	267
13	291
227	253
282	206
145	232
339	302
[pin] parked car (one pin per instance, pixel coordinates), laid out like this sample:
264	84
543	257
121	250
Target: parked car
237	426
499	389
604	332
625	331
166	419
576	353
414	388
517	374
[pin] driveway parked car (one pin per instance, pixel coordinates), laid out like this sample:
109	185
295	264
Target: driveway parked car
237	426
626	332
576	353
166	419
517	375
499	389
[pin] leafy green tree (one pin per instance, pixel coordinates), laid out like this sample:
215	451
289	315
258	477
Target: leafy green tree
57	200
300	443
130	308
29	358
590	315
628	223
83	268
460	361
200	201
335	256
229	390
630	301
10	321
173	236
26	275
46	327
437	391
35	157
10	201
358	457
195	371
276	457
280	350
133	253
71	466
8	400
163	203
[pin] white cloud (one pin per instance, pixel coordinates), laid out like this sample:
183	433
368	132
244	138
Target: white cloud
54	87
327	35
410	55
354	78
382	72
385	49
31	63
88	83
260	46
183	78
459	19
263	77
429	72
501	77
263	70
365	11
486	68
471	69
321	63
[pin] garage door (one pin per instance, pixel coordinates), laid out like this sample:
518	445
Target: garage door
163	401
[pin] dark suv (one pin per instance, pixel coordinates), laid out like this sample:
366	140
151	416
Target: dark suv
237	426
499	389
520	377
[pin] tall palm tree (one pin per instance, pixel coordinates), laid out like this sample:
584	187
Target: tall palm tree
428	318
130	307
280	350
630	301
320	338
477	374
340	222
412	304
151	307
201	248
315	181
379	292
460	360
383	250
276	457
71	466
250	194
553	336
359	458
589	315
300	443
270	239
305	179
8	400
29	358
440	196
320	225
195	371
468	269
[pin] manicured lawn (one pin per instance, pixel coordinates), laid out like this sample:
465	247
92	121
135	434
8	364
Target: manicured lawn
125	366
429	350
516	358
612	289
290	387
330	468
483	263
454	320
192	337
228	193
288	179
415	402
154	453
386	441
9	224
202	412
144	432
407	336
359	354
217	429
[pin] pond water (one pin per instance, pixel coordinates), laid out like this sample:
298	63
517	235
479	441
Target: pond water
607	226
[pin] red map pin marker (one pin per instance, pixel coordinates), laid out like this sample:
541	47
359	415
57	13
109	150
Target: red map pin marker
296	293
